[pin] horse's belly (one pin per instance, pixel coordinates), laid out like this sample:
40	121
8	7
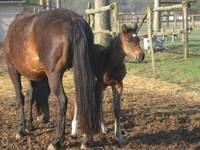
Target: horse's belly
34	75
31	68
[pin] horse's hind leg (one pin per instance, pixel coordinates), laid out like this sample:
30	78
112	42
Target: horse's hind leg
74	124
85	139
16	79
74	121
56	86
101	89
31	97
42	92
117	91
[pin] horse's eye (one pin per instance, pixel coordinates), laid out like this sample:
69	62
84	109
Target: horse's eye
128	41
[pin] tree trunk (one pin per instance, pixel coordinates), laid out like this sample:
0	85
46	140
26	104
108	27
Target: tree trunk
157	22
102	22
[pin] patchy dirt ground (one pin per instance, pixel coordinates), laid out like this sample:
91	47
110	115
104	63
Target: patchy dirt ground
155	115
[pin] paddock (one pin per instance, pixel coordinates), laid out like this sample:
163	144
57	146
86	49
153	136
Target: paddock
155	115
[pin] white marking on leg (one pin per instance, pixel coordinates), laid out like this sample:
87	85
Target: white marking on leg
74	122
117	91
103	128
74	127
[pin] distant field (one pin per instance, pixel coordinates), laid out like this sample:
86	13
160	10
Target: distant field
170	65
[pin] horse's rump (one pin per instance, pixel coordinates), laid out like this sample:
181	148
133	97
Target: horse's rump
31	38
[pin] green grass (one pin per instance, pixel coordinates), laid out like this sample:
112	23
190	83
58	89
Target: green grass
170	65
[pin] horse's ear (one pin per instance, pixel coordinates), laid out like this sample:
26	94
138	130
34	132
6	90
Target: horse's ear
135	27
124	28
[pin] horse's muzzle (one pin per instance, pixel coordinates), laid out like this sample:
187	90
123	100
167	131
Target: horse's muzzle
140	57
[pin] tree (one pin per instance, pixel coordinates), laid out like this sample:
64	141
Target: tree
102	22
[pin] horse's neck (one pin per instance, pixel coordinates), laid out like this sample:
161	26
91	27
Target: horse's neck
117	54
101	58
107	59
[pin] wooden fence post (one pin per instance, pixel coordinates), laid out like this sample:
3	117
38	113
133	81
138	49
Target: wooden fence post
34	10
58	3
185	28
156	17
102	22
90	17
48	4
175	20
87	16
193	21
167	21
115	18
173	36
150	35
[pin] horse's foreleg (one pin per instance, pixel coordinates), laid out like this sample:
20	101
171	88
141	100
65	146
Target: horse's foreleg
103	127
16	79
117	91
74	121
56	86
31	97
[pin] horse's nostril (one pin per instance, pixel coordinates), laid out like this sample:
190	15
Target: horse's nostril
143	56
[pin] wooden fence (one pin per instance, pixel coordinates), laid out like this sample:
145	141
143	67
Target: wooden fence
195	20
90	17
129	19
166	20
151	33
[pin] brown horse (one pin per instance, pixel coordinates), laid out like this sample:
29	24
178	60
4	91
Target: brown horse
110	71
41	47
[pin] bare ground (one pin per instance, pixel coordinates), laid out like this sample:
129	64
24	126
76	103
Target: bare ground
155	115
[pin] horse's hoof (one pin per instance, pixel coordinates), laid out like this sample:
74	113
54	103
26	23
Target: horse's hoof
18	136
51	147
40	118
45	120
83	146
122	142
74	136
105	131
30	127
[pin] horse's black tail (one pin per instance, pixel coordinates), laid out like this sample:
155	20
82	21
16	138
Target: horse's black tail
87	101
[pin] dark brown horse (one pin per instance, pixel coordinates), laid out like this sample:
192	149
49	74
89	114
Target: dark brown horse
41	47
110	71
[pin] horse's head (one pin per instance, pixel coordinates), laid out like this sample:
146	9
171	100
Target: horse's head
131	43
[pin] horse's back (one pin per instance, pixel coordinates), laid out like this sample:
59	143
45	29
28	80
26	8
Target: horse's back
36	38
